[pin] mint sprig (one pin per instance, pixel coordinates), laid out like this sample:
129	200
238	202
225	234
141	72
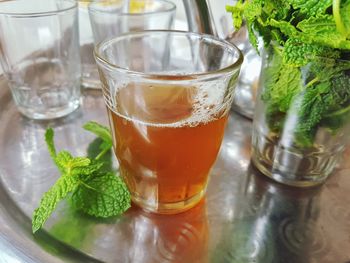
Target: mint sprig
94	190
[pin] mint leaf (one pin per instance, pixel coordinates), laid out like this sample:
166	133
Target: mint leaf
102	195
50	199
49	135
282	83
277	9
345	16
67	163
311	7
94	151
100	131
320	30
297	53
323	104
251	13
248	12
103	133
339	111
323	30
314	103
84	171
341	11
237	14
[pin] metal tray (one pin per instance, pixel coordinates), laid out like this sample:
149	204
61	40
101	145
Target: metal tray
244	218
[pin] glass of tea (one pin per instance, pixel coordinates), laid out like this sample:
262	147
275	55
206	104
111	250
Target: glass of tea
168	96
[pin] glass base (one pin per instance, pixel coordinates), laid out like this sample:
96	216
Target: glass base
280	177
169	208
51	113
291	166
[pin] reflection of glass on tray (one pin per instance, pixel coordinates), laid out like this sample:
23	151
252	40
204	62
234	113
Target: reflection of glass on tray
272	223
180	238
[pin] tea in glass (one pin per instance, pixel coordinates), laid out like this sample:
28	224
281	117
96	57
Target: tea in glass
167	112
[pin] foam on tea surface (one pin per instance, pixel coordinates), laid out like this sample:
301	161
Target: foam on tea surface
169	106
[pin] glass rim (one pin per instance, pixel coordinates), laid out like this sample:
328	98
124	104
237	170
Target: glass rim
227	69
170	9
74	4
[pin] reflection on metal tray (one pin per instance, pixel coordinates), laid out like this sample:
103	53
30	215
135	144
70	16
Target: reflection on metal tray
247	86
244	218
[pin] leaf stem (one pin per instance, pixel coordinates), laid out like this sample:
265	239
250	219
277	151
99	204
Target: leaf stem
94	189
311	82
338	112
337	18
102	153
88	186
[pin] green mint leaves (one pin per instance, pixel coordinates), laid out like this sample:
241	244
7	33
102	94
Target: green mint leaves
50	199
93	189
101	132
311	7
316	22
307	74
102	195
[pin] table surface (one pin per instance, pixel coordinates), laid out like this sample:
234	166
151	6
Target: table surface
244	218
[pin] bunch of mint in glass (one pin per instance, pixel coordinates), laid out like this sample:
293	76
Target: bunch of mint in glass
92	186
306	34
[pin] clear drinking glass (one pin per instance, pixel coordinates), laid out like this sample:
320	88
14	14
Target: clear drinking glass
301	123
168	94
89	78
109	18
40	56
114	17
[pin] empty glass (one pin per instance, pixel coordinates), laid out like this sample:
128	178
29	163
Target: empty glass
40	55
112	18
89	78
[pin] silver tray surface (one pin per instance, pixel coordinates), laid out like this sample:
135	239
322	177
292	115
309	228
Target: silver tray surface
244	218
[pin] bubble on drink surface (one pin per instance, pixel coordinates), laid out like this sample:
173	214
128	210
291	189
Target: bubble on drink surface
207	104
205	100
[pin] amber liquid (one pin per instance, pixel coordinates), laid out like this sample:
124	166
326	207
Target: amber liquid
164	156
